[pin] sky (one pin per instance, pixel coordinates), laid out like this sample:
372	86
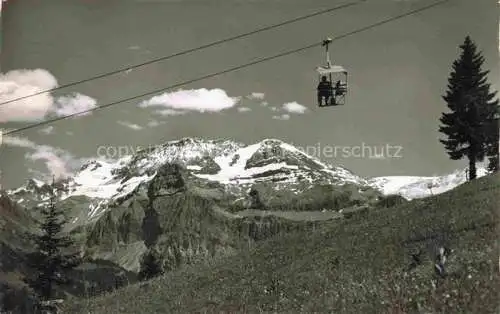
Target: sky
397	74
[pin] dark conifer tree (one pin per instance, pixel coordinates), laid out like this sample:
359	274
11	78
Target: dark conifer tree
151	265
493	153
52	258
473	109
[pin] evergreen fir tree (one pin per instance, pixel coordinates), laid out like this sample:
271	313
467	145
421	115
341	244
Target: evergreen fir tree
150	265
473	111
51	259
493	153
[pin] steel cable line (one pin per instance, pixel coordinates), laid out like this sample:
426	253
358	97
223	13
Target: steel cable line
188	51
235	68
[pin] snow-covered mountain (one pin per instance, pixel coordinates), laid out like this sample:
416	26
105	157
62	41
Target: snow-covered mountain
412	187
225	162
233	165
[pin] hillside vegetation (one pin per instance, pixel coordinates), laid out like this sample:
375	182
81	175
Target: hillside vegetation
360	264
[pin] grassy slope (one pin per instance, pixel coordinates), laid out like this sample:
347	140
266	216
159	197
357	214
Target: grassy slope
356	265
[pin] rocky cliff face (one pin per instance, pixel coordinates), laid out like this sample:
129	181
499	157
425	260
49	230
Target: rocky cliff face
172	213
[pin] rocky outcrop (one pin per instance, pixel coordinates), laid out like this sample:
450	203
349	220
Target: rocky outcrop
182	223
176	217
319	197
273	152
205	165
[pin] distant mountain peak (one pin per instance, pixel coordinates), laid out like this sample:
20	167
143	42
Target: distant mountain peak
412	187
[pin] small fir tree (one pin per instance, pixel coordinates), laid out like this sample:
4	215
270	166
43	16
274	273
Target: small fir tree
51	259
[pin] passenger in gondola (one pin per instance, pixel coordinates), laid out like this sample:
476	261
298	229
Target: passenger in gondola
325	91
339	90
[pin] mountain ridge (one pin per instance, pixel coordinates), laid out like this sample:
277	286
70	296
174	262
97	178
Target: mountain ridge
230	163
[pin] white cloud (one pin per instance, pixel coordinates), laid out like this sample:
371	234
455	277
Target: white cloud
244	109
264	103
58	162
201	100
18	142
272	108
26	83
284	116
47	130
154	123
130	125
55	164
170	112
256	95
73	104
294	107
21	83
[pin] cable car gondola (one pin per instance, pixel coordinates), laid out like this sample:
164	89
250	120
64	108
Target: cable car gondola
332	88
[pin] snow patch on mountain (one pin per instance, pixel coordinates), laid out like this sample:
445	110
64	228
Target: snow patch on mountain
413	187
112	180
341	173
185	151
100	182
31	185
233	166
277	161
95	210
